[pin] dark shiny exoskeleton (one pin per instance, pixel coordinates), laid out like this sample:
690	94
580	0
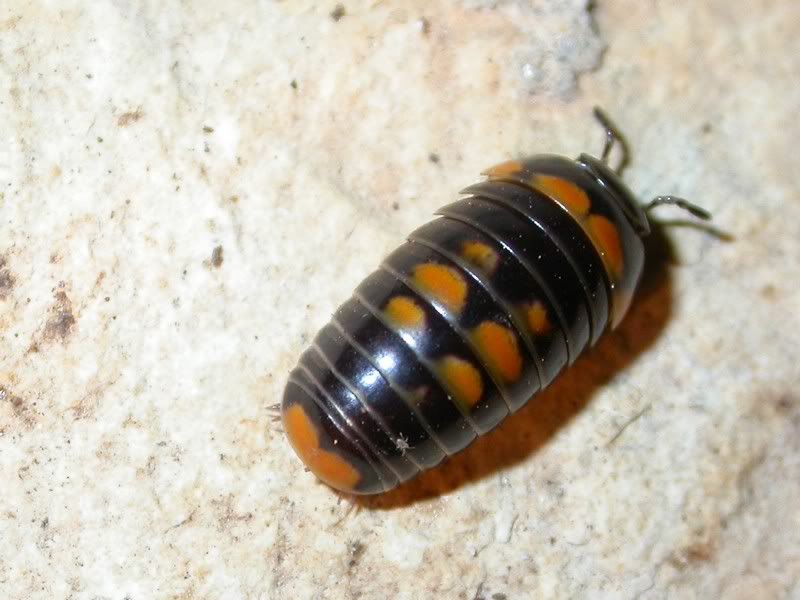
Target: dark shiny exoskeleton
460	326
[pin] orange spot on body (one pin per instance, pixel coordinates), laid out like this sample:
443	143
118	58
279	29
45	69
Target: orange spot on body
498	347
506	169
536	315
403	312
480	255
462	380
443	284
606	237
327	466
566	193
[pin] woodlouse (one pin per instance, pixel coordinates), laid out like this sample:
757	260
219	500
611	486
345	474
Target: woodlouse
461	325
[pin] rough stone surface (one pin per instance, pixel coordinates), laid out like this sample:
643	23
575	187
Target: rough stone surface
188	191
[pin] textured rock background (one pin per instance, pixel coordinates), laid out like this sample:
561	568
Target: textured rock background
187	192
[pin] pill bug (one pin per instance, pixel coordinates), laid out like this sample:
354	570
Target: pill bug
466	321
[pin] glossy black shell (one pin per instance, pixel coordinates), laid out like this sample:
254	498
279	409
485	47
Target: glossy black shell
465	322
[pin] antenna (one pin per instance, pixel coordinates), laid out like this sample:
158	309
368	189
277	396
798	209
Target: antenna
613	135
693	209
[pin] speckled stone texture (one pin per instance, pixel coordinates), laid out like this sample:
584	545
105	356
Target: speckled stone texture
188	191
